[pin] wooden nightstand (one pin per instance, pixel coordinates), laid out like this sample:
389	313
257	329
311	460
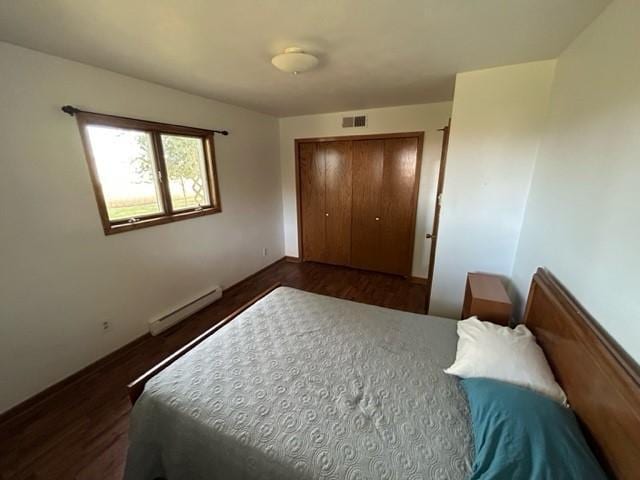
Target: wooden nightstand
486	298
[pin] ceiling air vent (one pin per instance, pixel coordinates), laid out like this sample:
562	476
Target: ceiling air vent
356	121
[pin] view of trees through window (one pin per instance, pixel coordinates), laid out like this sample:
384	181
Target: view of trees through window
129	172
126	168
185	164
184	157
148	173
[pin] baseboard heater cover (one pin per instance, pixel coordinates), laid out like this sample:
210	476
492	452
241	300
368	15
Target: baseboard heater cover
161	324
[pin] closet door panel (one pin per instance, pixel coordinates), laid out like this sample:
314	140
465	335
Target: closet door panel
399	195
312	201
337	157
368	158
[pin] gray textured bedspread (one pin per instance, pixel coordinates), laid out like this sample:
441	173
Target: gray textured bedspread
303	386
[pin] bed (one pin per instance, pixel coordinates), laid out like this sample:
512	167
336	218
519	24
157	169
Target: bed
299	385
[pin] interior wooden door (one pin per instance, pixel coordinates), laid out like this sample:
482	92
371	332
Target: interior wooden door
436	215
312	201
338	174
399	196
368	160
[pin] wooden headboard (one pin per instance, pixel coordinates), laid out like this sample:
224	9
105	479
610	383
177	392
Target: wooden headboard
601	381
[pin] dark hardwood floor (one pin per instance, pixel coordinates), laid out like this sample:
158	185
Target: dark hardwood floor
80	432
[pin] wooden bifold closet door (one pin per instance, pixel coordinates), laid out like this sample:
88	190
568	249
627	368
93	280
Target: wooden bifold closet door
368	164
325	183
358	201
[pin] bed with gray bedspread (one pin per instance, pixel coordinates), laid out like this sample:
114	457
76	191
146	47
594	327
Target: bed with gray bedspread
303	386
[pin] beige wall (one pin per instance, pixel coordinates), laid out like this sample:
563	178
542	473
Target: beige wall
60	276
428	118
498	116
583	215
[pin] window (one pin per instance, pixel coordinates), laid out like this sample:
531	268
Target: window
148	173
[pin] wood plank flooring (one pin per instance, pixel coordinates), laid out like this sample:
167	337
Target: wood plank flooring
80	432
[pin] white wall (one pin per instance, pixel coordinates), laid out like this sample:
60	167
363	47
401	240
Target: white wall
428	118
583	215
61	277
498	115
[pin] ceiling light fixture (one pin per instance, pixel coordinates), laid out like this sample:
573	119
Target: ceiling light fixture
294	60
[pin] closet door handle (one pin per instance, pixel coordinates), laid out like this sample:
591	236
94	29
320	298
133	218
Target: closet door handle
377	219
326	214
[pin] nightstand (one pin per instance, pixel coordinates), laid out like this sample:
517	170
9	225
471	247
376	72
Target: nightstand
486	298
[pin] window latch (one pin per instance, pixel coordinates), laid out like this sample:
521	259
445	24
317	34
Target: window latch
133	220
198	208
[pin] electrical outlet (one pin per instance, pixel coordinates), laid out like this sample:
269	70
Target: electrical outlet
106	326
264	252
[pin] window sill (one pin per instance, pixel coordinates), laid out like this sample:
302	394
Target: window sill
111	228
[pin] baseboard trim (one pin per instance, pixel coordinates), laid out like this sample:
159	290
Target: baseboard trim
34	401
418	280
282	259
292	259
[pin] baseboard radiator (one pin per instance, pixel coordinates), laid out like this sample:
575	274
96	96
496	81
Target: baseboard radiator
161	324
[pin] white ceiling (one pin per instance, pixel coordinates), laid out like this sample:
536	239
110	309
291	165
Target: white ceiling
373	52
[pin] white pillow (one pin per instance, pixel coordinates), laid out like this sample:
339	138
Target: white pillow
506	354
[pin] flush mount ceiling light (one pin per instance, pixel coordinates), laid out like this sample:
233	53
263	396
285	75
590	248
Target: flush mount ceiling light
294	60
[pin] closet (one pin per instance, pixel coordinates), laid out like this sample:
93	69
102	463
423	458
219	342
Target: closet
357	199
